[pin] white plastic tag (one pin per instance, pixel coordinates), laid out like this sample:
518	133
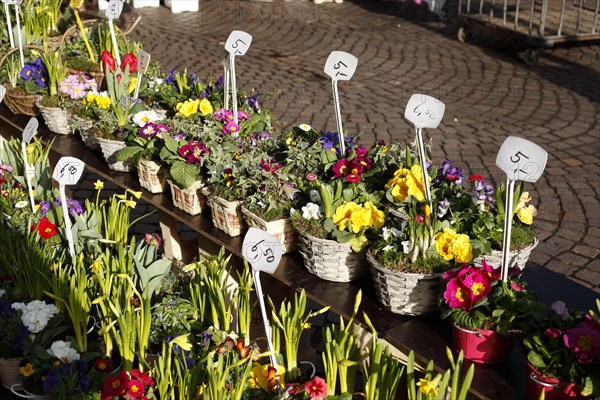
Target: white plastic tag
2	93
424	111
238	43
143	61
68	171
340	66
521	159
114	9
262	250
30	129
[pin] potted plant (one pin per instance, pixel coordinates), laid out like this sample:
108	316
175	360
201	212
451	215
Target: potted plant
487	313
12	337
144	149
338	211
563	354
419	243
112	130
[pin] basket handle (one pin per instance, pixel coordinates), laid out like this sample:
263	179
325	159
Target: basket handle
28	46
19	386
74	27
534	378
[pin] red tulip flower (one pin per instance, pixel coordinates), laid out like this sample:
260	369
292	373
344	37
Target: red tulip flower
108	61
130	60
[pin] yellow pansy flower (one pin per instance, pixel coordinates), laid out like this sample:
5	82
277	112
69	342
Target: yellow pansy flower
188	107
27	370
103	101
343	214
526	214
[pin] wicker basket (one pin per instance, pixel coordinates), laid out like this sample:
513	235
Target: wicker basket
151	176
281	229
406	293
332	261
85	127
519	258
226	215
109	149
190	200
56	118
17	101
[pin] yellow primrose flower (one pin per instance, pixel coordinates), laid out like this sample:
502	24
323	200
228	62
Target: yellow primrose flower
414	181
91	97
343	214
525	197
451	245
361	219
103	102
132	84
27	370
188	107
377	216
205	107
98	185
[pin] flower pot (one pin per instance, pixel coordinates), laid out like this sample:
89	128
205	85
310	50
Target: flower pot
151	176
56	118
9	371
18	390
332	261
85	127
281	229
553	388
21	103
519	258
109	149
406	293
177	6
226	215
190	200
481	346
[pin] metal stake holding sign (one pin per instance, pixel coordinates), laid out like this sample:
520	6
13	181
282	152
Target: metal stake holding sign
237	44
2	93
340	66
20	39
143	61
113	11
521	160
9	21
28	133
263	252
67	172
424	112
226	72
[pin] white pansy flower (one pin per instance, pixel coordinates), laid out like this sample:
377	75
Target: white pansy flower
305	127
143	117
311	211
155	82
386	233
407	246
63	351
22	204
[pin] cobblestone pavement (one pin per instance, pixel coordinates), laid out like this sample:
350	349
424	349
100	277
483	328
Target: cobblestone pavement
489	94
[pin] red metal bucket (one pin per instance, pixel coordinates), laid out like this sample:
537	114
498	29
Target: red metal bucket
555	389
481	346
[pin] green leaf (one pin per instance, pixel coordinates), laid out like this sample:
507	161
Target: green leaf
128	152
535	360
184	174
170	144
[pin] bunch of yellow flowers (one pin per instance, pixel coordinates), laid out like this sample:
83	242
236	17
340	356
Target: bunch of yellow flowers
192	106
454	246
407	182
358	218
525	212
100	99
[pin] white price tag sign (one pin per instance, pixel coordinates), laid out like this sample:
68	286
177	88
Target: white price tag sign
68	171
114	9
521	159
2	93
262	250
12	1
143	61
30	129
424	111
340	66
238	43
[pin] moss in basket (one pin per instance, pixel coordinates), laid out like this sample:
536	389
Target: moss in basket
396	260
310	227
82	64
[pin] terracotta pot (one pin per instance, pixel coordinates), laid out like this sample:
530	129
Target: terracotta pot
9	371
481	346
553	388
